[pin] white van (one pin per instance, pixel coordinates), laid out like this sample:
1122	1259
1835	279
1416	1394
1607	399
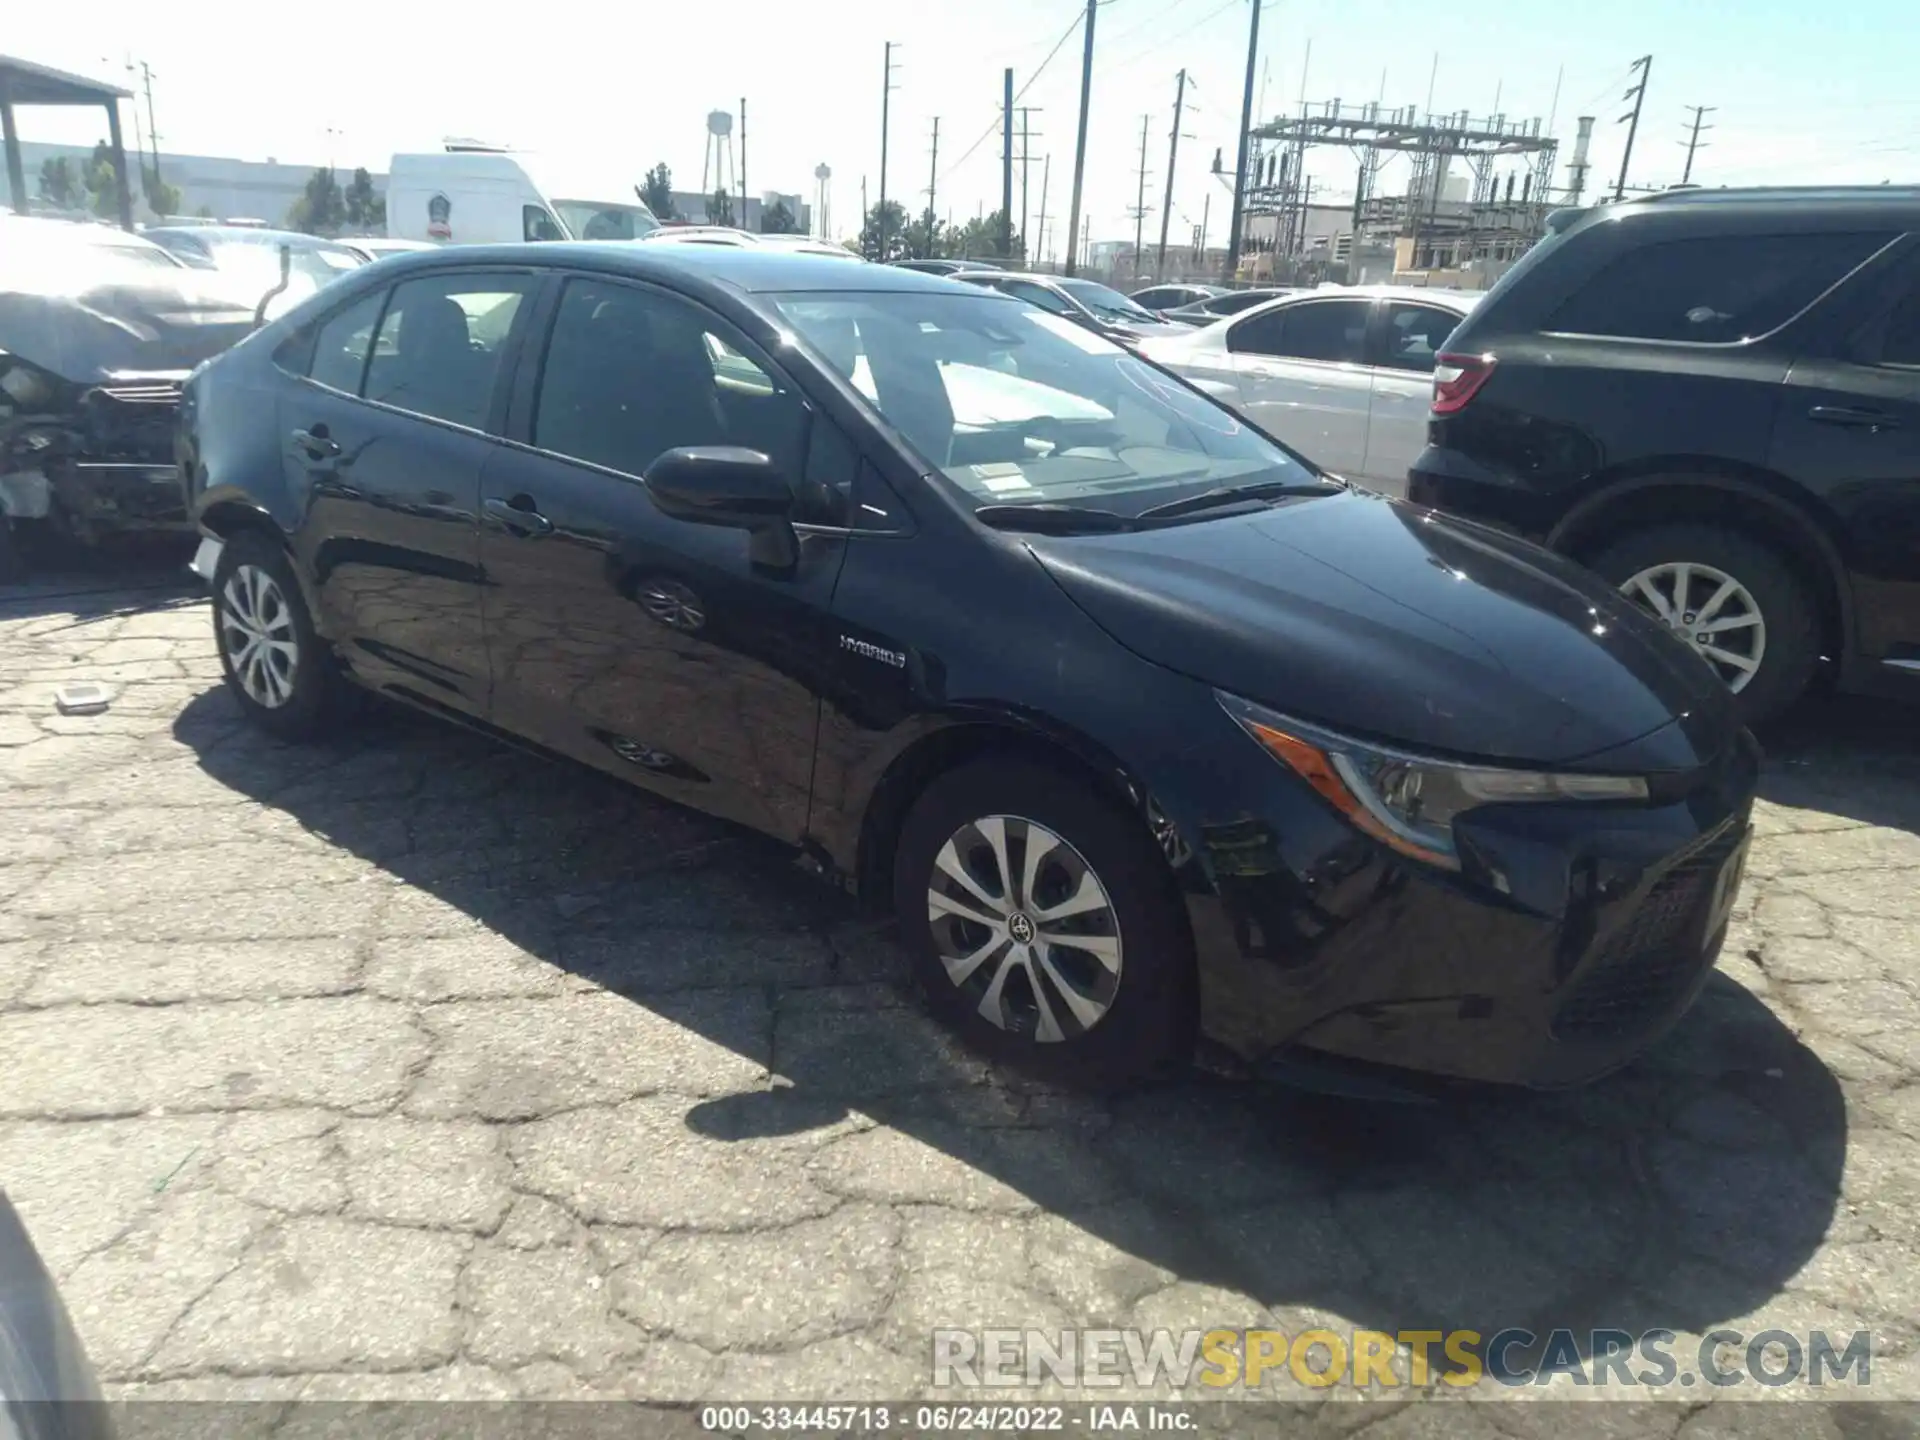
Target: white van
469	195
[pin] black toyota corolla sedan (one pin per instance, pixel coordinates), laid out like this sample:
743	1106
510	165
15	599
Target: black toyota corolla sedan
1143	725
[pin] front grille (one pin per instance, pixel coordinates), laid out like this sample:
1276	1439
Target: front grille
145	392
133	420
1657	952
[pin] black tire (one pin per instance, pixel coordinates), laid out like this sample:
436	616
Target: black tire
1148	1027
318	696
1786	605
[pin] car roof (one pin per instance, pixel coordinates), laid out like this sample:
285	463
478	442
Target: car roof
247	235
751	269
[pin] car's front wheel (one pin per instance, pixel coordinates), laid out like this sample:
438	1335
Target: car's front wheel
1043	925
277	668
1739	603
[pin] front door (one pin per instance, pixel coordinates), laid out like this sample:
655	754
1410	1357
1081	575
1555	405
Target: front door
385	437
1848	427
647	646
1407	336
1302	376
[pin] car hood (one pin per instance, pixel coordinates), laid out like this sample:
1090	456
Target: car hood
91	332
1377	618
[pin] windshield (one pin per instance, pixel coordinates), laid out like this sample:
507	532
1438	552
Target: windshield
594	220
259	260
1014	405
1107	304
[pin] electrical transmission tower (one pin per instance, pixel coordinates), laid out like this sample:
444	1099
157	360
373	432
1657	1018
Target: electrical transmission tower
1644	65
1693	141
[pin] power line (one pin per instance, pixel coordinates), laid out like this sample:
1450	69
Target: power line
1159	46
994	125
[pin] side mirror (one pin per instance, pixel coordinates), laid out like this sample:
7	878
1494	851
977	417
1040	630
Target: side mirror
730	486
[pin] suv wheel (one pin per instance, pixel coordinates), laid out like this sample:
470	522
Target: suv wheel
1043	926
282	674
1738	602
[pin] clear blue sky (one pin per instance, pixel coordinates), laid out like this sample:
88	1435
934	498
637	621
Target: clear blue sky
1805	92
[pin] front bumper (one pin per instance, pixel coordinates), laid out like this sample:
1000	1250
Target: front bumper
1326	943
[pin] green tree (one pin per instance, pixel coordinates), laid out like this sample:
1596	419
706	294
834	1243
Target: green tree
982	238
925	237
321	208
884	235
364	209
102	182
656	192
162	199
59	186
777	219
720	207
205	212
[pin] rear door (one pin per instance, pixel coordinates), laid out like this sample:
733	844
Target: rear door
1848	428
1302	374
385	437
1407	335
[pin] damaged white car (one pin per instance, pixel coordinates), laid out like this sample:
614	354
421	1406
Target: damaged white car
98	330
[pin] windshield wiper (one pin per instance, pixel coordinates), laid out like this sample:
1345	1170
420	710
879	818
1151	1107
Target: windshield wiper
1235	494
1049	519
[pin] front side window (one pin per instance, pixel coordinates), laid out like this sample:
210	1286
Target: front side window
442	342
537	224
630	374
1710	291
1415	334
1011	405
1334	331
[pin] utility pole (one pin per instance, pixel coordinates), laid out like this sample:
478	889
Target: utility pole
153	135
1637	94
1026	176
1237	224
933	180
1006	165
1692	142
1173	153
1080	141
1040	249
865	214
743	162
1140	200
886	106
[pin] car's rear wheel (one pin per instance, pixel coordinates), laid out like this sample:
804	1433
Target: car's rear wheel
282	675
1043	925
1738	602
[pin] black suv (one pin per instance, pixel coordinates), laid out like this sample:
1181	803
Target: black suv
1713	399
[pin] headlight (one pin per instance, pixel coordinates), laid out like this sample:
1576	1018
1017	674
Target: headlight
1409	802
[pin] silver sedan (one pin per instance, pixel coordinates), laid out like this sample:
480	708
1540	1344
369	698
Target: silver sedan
1343	375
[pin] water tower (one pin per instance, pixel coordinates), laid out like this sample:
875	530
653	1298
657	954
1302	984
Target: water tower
822	195
716	169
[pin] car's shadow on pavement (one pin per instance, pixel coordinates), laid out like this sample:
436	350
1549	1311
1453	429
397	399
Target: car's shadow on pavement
1849	756
131	574
1682	1193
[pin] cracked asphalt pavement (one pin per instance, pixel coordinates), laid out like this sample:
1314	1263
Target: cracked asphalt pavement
409	1066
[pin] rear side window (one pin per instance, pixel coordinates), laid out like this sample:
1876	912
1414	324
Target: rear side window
537	224
1415	334
441	344
1711	291
1329	330
342	343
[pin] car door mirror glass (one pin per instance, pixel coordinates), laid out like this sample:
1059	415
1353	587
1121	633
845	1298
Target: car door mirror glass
730	486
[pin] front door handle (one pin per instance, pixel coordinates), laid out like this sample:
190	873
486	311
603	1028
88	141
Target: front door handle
520	515
1852	416
317	443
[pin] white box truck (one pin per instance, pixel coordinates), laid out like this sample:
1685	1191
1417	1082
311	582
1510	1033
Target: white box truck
470	194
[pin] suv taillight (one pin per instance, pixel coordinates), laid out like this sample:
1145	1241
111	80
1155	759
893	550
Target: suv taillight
1457	379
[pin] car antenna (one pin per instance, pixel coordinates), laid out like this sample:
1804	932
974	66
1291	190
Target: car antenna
286	278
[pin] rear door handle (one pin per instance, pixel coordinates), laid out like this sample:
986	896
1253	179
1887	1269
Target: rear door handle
519	515
317	442
1851	416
